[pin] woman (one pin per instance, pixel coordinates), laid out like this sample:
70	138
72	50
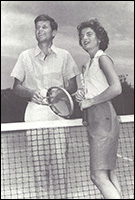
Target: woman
101	85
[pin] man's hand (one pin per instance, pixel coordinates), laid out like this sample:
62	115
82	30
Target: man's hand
36	97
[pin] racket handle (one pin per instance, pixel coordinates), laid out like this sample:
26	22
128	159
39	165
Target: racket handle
84	120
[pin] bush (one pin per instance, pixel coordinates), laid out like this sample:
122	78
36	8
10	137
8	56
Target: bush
12	107
124	103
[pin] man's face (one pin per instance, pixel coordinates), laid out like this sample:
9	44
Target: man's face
44	32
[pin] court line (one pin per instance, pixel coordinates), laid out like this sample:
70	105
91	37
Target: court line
125	158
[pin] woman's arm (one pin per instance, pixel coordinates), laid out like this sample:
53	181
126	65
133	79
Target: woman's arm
114	88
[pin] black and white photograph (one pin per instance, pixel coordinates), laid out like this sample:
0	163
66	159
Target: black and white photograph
67	99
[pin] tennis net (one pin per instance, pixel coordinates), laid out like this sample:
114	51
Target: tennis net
50	160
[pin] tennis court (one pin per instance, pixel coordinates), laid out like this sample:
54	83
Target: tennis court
50	160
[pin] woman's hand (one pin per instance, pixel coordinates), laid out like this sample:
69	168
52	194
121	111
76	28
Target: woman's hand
79	95
86	103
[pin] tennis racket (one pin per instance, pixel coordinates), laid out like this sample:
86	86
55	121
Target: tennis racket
84	117
81	94
57	99
60	101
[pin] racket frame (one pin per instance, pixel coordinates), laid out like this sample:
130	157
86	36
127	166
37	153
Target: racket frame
69	97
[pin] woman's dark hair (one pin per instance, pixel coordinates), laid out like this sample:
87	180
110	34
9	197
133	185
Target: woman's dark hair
44	17
101	34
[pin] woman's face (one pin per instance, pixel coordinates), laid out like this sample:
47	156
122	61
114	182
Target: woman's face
89	40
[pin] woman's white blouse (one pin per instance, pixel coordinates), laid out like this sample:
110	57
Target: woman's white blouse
94	79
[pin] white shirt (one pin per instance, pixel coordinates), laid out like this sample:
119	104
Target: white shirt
35	72
94	79
38	73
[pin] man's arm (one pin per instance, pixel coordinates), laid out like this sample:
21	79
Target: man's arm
71	72
72	87
22	91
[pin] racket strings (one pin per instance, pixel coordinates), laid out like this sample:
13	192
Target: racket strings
60	102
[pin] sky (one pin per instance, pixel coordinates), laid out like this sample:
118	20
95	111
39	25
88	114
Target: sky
17	31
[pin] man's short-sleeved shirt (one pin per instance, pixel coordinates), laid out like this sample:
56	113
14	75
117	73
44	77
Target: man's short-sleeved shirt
37	72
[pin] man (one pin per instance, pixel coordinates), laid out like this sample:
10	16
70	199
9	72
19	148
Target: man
36	70
42	67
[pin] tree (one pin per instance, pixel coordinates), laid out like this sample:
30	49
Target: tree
124	103
12	106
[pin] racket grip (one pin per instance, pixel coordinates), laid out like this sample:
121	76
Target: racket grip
84	120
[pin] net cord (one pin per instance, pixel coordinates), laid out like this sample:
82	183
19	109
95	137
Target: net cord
52	124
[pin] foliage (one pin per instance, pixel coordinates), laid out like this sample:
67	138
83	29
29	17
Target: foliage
124	103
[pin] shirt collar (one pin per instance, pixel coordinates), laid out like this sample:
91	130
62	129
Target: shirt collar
98	54
52	49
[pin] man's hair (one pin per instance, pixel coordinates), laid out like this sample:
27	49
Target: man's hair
44	17
101	34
